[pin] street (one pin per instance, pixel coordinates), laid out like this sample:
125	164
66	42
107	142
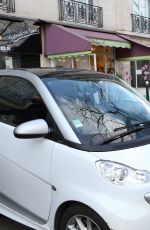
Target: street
7	224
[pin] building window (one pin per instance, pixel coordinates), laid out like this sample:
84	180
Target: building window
82	11
141	7
8	6
140	16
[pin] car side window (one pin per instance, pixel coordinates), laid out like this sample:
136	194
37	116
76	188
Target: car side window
19	101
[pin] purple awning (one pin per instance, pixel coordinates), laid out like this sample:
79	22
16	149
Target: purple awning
137	50
60	39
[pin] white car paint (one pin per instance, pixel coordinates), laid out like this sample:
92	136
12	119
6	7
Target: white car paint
121	207
24	170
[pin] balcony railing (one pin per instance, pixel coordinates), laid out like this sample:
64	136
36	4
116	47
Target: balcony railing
140	24
79	12
7	5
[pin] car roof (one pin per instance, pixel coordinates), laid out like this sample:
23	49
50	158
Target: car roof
43	72
60	71
54	71
65	73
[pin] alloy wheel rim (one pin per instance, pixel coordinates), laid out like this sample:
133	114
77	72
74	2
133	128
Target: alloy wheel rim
81	222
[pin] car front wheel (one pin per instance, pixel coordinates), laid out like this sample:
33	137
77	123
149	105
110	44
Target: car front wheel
80	217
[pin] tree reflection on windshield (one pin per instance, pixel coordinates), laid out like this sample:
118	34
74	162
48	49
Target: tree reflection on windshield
98	110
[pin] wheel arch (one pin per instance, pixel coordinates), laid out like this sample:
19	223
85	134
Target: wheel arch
64	206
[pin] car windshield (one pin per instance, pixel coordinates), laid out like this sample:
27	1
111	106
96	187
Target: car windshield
100	108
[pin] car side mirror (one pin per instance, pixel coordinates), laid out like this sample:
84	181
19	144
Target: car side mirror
32	129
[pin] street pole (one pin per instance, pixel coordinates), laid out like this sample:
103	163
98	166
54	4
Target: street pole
147	90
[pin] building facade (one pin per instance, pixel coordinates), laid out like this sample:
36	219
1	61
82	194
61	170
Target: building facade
89	30
133	24
102	35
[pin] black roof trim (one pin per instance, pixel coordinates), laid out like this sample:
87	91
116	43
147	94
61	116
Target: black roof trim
63	72
43	72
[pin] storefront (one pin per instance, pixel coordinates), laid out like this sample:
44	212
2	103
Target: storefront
83	49
135	62
20	43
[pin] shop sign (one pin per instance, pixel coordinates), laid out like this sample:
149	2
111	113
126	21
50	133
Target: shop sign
13	34
138	72
5	48
23	34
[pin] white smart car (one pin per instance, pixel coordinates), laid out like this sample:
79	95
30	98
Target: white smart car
74	151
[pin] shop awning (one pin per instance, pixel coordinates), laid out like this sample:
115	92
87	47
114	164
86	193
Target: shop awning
138	40
60	40
139	51
31	45
18	35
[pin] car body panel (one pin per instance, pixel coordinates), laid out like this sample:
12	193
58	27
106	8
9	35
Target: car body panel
137	157
25	167
79	180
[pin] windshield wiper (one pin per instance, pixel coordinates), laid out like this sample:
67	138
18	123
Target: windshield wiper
136	125
134	129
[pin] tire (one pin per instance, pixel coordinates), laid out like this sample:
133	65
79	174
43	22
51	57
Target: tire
79	217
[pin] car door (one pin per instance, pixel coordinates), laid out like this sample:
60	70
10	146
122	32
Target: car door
25	164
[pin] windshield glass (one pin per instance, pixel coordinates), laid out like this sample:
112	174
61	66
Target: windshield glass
99	108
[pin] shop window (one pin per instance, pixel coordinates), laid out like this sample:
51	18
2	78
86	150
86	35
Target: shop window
105	59
63	62
82	62
100	63
142	67
29	61
10	61
140	73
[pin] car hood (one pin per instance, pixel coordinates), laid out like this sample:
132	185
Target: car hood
138	158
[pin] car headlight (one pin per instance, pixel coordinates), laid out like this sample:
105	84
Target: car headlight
120	174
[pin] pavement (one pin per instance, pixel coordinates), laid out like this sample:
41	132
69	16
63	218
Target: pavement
7	224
